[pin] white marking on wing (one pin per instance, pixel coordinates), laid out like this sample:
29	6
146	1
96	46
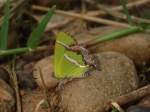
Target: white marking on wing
63	44
74	61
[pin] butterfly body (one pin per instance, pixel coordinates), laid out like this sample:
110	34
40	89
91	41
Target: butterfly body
70	60
85	53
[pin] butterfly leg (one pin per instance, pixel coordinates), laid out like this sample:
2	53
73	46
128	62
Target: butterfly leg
63	82
86	74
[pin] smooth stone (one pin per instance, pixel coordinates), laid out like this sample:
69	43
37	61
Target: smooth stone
145	101
32	100
138	108
7	99
46	66
135	46
115	75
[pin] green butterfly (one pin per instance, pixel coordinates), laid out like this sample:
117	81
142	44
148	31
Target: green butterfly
70	60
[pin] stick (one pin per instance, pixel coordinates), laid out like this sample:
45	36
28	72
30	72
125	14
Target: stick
129	97
85	17
19	108
119	14
14	9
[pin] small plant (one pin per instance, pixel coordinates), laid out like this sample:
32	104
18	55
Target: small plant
4	28
33	41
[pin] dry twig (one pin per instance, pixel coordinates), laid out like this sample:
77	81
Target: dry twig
85	17
19	108
131	5
15	9
119	14
139	93
83	6
116	106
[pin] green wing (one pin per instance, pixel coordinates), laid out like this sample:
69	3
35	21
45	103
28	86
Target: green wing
60	49
72	65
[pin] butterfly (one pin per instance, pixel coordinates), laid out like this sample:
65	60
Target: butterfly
70	59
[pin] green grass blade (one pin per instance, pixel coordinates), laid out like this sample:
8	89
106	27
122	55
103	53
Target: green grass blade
145	25
114	35
4	28
36	35
127	13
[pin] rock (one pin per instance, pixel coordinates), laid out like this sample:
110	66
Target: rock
7	99
138	108
145	101
37	101
143	106
115	75
25	80
4	75
32	100
135	46
46	66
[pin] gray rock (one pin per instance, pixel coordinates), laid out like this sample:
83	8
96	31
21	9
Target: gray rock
138	108
7	99
115	75
46	66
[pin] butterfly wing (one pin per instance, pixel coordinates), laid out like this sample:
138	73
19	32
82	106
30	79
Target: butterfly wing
72	65
60	49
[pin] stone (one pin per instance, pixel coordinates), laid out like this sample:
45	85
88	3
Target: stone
47	67
115	75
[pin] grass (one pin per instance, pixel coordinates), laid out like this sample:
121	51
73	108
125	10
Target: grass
4	28
34	39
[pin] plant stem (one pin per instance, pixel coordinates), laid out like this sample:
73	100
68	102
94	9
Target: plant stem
22	50
111	36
